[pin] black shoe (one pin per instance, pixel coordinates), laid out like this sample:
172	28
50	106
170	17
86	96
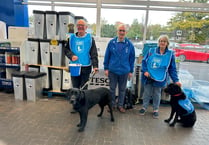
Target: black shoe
142	111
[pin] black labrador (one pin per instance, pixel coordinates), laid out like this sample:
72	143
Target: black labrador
181	106
83	100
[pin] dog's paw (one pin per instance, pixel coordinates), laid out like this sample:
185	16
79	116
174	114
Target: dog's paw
80	129
167	120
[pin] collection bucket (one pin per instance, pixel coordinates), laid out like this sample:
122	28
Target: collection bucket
75	69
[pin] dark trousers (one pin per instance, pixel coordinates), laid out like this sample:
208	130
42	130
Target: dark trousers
121	81
79	81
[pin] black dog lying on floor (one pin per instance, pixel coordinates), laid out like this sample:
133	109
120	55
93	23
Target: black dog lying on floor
83	100
181	106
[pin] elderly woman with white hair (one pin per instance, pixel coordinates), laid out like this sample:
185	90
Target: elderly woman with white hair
157	64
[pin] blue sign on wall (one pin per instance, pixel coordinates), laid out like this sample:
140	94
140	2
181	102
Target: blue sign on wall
14	13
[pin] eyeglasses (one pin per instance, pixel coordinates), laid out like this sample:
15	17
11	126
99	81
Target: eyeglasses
122	30
80	25
163	41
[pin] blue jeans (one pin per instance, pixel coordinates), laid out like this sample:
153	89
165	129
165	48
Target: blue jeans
79	81
121	81
151	92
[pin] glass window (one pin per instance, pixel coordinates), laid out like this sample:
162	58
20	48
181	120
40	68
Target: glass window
188	33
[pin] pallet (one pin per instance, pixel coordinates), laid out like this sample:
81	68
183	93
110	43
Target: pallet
53	67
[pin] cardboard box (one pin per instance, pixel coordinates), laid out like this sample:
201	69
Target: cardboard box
18	33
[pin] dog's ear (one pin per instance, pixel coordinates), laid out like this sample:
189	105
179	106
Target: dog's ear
68	93
82	98
177	88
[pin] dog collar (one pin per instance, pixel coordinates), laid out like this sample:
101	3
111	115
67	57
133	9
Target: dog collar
177	94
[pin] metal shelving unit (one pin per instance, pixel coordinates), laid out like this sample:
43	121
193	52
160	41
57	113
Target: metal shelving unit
9	62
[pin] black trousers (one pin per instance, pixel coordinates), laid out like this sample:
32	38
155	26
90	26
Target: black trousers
79	81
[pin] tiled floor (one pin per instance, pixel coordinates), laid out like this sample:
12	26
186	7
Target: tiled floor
49	122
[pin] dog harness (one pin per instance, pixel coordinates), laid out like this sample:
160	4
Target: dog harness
80	46
187	105
158	64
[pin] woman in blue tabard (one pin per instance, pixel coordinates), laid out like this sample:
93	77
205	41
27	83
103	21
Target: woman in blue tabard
81	49
157	64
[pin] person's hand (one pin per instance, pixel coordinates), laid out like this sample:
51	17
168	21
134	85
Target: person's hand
106	73
66	69
74	58
146	74
96	70
178	83
130	75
